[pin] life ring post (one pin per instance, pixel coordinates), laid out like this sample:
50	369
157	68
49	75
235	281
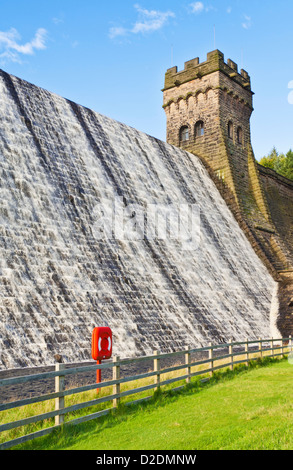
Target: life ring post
99	374
101	347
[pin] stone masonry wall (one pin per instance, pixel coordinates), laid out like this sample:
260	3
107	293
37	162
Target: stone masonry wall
279	194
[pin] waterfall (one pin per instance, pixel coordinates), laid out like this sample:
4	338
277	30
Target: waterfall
274	313
64	169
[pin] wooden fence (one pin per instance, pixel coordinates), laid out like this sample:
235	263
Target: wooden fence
219	356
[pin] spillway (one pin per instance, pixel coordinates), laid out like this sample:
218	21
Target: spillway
63	169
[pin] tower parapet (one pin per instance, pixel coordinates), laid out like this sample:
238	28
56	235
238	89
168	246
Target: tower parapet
194	69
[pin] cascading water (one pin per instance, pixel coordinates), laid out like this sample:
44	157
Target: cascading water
59	278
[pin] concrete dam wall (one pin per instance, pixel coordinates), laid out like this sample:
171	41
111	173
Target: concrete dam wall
64	269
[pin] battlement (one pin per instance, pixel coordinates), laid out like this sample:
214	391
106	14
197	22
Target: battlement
193	69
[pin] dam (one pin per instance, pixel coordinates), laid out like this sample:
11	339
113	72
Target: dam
63	168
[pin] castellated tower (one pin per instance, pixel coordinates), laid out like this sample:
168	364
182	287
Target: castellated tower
208	107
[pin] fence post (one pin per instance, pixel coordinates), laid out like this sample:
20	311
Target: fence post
290	343
211	358
247	354
59	388
116	376
231	354
157	369
260	347
272	347
188	368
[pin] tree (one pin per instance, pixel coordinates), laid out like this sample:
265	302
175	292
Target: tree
271	159
282	164
287	168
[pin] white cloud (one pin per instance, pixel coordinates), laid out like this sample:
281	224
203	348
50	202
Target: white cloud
197	7
57	20
290	95
117	31
229	9
247	23
148	21
11	49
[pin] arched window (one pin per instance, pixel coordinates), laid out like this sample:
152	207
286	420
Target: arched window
230	130
239	135
199	129
184	134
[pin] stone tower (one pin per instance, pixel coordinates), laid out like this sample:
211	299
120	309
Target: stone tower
208	107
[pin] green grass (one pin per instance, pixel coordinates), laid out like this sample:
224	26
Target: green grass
244	409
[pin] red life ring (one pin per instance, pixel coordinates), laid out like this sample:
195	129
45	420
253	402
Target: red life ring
101	343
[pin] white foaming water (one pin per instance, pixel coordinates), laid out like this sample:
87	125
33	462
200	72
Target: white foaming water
274	313
58	161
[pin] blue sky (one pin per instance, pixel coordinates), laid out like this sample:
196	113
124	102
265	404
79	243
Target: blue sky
112	56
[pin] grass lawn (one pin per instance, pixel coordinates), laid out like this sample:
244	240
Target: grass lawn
250	410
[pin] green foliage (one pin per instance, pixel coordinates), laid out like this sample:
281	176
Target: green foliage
282	164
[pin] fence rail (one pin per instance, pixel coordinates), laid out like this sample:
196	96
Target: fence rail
244	353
